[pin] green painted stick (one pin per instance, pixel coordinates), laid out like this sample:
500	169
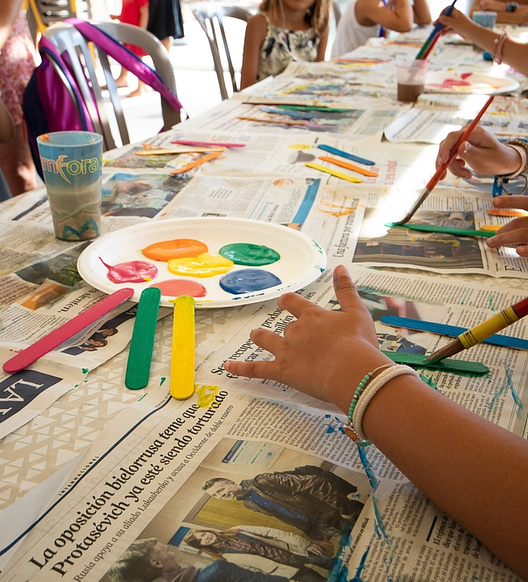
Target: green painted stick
451	366
442	229
142	343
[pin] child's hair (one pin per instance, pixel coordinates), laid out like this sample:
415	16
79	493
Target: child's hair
316	16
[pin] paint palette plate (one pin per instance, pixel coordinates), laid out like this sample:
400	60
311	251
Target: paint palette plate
468	82
301	261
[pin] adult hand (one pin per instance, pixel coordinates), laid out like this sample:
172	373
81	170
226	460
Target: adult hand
323	353
485	154
516	231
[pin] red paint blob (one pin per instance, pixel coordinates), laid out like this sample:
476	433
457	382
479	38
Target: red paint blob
174	249
177	287
131	272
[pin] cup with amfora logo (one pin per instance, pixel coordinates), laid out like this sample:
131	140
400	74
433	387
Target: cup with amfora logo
71	165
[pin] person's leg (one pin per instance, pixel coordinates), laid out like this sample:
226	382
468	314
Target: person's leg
122	80
221	571
167	43
141	88
17	164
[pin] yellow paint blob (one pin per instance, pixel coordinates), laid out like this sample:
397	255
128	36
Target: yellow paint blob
300	146
204	265
206	395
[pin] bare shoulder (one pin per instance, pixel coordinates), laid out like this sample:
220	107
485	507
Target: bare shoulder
258	24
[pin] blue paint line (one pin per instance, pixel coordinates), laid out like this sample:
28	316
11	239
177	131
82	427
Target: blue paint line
339	572
373	480
307	203
357	577
509	383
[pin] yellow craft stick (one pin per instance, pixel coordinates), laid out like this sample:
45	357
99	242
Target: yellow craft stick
348	166
333	172
183	344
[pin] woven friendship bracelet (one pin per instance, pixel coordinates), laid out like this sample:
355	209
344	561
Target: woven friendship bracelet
369	393
349	428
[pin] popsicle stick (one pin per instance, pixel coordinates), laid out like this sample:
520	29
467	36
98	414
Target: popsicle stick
183	344
462	367
209	143
175	152
333	172
142	343
349	166
198	162
69	329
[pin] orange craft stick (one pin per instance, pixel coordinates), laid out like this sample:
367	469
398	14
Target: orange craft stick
197	162
348	166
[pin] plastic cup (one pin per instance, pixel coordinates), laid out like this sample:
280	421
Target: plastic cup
71	164
485	18
411	74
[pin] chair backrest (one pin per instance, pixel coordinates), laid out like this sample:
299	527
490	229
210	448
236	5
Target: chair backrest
44	13
81	54
211	16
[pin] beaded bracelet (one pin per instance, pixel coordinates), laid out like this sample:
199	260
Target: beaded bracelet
349	427
355	430
498	46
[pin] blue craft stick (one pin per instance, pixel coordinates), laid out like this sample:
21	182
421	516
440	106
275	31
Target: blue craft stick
452	331
346	155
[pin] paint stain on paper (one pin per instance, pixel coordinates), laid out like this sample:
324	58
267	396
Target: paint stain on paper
248	280
206	395
131	272
249	254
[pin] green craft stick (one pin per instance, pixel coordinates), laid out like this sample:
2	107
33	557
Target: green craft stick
142	343
314	108
442	229
449	365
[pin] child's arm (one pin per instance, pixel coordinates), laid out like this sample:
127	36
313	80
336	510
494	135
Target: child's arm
7	128
255	35
399	17
9	10
144	16
421	12
321	49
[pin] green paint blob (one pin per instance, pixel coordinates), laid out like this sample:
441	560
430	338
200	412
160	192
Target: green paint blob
85	370
249	254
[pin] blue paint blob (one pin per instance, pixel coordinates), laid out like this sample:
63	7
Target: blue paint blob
248	280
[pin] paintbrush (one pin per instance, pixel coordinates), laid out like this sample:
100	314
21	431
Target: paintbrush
482	331
441	169
428	45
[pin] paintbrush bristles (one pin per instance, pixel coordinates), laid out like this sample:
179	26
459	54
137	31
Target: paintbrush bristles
446	352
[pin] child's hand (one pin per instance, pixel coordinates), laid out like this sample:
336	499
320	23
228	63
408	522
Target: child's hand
485	154
516	231
457	22
324	353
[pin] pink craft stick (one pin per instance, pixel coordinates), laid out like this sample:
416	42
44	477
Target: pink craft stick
206	144
49	342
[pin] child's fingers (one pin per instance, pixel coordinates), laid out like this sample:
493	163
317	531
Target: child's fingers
513	202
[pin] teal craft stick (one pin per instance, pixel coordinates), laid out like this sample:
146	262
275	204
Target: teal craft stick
461	367
442	229
314	108
142	343
341	153
452	331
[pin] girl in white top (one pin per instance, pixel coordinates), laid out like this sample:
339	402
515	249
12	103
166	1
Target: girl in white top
283	31
363	18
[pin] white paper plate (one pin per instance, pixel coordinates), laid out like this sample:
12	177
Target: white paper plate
468	82
302	259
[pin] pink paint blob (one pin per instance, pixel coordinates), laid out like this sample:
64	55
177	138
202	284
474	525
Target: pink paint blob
131	272
179	287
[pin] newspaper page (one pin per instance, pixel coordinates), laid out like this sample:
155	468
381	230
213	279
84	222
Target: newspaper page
435	116
189	482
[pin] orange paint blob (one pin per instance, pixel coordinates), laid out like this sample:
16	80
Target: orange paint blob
204	265
177	287
173	249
